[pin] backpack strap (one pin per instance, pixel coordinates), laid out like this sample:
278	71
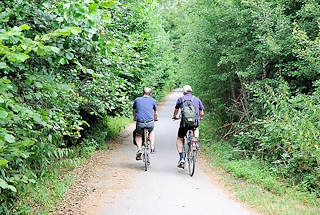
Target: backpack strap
182	99
192	99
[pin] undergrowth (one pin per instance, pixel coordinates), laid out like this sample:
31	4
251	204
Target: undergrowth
43	196
254	172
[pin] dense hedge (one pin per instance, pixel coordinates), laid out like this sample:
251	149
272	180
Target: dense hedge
67	66
256	65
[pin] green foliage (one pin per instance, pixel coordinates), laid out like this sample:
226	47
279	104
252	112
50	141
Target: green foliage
66	68
42	197
307	48
245	165
288	135
255	64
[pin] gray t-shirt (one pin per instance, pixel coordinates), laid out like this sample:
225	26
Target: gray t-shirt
145	107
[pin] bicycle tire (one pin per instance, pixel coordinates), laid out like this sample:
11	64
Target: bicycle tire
194	159
190	161
146	158
145	151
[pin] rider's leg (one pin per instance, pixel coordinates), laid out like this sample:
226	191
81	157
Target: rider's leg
139	141
179	144
151	137
196	135
181	133
196	132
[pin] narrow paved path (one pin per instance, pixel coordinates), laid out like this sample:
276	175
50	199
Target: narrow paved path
126	189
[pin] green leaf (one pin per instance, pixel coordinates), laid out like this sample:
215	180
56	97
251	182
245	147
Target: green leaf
1	100
20	57
12	188
69	55
63	60
75	30
64	32
7	81
9	138
60	19
93	7
3	114
37	117
2	162
3	65
32	180
107	4
38	85
28	81
55	49
3	184
24	27
90	71
4	36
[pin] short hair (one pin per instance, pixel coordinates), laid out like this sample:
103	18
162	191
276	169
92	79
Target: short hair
147	91
187	89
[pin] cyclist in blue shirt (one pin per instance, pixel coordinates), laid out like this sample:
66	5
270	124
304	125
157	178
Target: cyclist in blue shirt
145	113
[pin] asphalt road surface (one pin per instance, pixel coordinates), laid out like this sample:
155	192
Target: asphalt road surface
164	189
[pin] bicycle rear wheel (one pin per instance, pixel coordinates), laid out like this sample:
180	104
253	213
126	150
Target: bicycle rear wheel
194	159
190	160
146	159
145	151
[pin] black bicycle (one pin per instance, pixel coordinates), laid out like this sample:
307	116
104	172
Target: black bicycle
145	148
190	151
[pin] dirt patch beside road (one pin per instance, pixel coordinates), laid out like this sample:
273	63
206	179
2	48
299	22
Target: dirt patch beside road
85	191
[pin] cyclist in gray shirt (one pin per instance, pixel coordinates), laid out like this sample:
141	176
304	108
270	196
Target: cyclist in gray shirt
145	113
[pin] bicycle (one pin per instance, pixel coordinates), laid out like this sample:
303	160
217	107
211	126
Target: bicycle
190	151
145	149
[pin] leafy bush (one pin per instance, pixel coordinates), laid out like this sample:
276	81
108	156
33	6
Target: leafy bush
67	66
287	135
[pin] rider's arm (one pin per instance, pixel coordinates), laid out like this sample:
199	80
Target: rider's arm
134	114
155	115
175	113
201	113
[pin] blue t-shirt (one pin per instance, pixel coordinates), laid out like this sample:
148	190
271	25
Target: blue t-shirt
145	107
196	102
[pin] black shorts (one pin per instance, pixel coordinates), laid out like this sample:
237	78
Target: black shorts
183	131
